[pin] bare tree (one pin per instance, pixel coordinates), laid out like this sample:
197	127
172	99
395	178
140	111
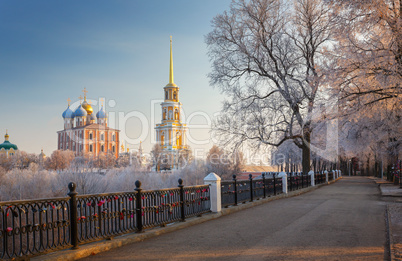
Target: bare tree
269	58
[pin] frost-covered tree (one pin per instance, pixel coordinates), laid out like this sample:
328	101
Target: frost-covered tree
269	58
224	163
60	159
368	77
368	52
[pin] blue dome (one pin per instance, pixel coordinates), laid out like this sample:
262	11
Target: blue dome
68	113
80	112
101	114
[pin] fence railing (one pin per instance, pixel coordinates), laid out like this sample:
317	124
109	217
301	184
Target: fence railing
240	191
330	175
235	191
33	227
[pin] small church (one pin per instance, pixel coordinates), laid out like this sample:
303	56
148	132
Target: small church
7	148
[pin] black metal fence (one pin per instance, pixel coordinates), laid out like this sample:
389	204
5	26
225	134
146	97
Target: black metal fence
319	178
240	191
330	175
298	180
32	227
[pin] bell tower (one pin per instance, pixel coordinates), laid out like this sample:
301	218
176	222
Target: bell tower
170	134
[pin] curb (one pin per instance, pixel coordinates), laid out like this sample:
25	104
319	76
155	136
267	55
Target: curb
119	241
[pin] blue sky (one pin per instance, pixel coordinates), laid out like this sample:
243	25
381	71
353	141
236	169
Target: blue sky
119	50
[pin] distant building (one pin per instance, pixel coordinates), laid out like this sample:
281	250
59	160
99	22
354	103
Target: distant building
85	133
255	171
7	148
171	133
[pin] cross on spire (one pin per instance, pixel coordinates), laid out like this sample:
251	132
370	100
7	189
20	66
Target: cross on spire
69	100
85	93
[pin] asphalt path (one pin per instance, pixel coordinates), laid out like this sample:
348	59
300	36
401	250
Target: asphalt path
341	221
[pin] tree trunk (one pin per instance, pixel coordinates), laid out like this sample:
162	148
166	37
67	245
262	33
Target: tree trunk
306	150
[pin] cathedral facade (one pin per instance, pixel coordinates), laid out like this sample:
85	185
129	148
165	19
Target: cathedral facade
171	132
86	133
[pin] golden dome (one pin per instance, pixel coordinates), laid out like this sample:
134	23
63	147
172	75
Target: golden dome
87	107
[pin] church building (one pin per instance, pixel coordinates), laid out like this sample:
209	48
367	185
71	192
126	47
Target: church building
7	148
171	133
87	134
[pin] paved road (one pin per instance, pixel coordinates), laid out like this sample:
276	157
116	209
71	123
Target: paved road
343	221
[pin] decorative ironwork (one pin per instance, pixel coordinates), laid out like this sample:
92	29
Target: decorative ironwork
242	191
32	227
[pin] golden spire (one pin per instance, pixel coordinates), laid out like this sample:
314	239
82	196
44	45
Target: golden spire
6	136
171	77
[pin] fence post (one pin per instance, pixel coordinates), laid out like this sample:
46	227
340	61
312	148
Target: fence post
73	215
273	175
182	205
250	177
311	173
326	176
334	174
138	211
263	184
214	182
284	181
235	189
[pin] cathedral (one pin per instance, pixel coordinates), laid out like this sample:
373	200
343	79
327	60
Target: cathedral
86	133
171	133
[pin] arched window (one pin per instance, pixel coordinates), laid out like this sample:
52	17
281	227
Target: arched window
113	149
102	136
177	138
113	138
90	148
102	148
90	136
174	96
166	95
